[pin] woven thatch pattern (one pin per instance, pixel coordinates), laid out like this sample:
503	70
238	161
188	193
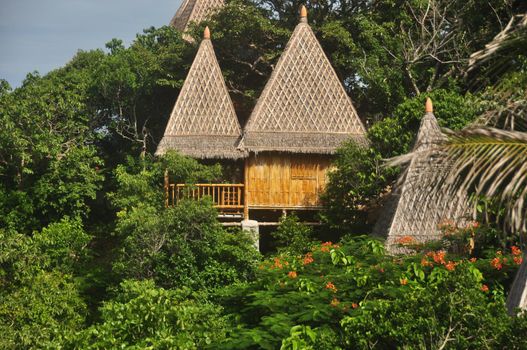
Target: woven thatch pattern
420	204
518	295
203	123
304	107
194	11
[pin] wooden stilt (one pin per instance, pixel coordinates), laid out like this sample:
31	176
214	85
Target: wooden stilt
245	197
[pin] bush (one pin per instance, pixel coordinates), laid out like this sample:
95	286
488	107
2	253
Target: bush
357	179
144	316
184	245
292	236
351	295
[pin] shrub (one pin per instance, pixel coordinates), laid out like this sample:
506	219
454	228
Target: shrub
292	236
144	316
184	245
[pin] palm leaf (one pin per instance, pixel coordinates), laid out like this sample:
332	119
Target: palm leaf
492	163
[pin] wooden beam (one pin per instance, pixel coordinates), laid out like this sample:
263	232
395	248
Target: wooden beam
246	183
166	188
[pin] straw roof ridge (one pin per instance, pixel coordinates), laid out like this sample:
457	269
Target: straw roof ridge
194	11
203	122
420	202
303	104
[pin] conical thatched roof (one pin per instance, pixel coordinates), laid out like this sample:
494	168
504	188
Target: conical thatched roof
420	203
203	123
194	11
304	107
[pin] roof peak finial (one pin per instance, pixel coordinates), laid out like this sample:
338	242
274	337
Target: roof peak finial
429	107
303	14
206	33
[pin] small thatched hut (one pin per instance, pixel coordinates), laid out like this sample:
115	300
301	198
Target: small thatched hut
420	203
203	123
194	11
300	119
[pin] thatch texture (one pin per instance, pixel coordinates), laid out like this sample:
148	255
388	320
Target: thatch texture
421	201
303	107
194	11
203	123
518	295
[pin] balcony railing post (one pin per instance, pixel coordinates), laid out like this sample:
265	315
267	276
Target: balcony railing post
166	185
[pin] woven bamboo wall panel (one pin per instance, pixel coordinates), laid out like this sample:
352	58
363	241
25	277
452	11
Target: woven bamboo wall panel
271	182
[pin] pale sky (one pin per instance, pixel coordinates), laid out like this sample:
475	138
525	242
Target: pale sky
45	34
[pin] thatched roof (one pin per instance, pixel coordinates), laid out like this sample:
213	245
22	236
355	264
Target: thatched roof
203	123
420	202
194	11
518	294
304	107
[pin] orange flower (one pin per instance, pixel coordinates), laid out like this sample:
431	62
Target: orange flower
438	257
308	259
331	287
405	240
292	274
473	224
354	305
515	250
334	302
484	288
496	263
278	263
381	270
404	281
473	260
518	260
450	265
326	244
425	262
324	249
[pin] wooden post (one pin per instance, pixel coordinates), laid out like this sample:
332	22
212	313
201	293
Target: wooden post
245	186
166	188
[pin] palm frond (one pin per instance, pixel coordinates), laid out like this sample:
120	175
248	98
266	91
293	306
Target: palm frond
511	38
492	163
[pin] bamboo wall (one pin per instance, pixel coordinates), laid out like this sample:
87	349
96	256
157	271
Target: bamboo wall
281	180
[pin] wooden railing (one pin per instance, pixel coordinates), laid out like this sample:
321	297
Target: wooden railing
228	198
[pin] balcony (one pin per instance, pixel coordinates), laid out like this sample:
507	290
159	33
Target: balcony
227	198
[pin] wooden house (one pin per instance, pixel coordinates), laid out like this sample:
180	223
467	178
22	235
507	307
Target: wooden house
301	118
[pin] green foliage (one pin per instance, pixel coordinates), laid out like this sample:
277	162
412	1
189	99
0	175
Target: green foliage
359	177
41	312
182	246
394	135
144	316
64	244
351	295
76	133
69	183
140	181
40	303
292	236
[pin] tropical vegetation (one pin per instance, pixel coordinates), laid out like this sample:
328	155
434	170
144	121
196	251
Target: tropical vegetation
91	258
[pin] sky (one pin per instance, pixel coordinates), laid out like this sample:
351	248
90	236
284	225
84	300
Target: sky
43	35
